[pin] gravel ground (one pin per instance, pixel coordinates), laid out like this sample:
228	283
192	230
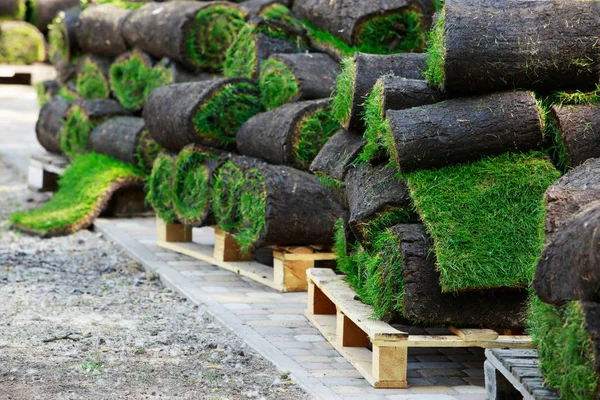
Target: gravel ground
81	320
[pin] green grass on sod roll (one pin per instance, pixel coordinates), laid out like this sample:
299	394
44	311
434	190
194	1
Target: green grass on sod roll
132	80
377	34
328	182
486	219
222	116
57	41
76	133
84	190
191	191
325	39
91	82
146	152
42	96
437	53
213	31
341	104
21	43
127	5
225	195
68	94
565	348
314	131
277	84
375	124
19	15
160	187
251	210
279	12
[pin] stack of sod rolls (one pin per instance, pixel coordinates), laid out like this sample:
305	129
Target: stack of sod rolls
21	42
444	159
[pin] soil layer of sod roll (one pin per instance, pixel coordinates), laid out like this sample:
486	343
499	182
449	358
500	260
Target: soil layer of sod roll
391	93
359	75
193	33
41	12
99	30
51	122
46	90
566	338
536	44
85	190
486	219
207	113
377	200
63	47
93	77
254	8
21	43
336	156
292	134
194	170
257	41
82	117
123	138
579	128
134	75
283	206
286	78
462	130
160	186
379	27
13	9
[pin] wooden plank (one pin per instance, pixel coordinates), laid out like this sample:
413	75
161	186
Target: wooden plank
39	72
227	249
474	334
521	342
291	275
304	257
390	364
348	333
342	295
167	232
318	303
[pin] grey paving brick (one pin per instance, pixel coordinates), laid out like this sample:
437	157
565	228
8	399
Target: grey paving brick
433	358
442	372
474	373
434	365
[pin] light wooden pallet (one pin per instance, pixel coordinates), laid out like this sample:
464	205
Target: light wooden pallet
44	170
290	264
376	349
26	74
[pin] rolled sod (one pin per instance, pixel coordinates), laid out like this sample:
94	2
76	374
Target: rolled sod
377	200
568	267
134	75
462	130
567	342
208	113
93	77
85	190
256	42
283	206
292	134
194	171
382	27
254	8
579	130
46	90
13	9
336	156
181	74
82	117
41	12
391	93
21	43
486	219
98	30
344	246
542	45
286	78
160	186
193	33
50	123
359	75
125	139
62	42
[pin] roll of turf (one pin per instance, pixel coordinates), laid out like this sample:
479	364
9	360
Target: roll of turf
256	41
578	129
21	43
82	117
62	42
337	156
51	122
207	113
46	90
92	77
160	186
286	78
359	75
192	186
98	30
126	139
195	34
41	12
292	134
280	205
13	10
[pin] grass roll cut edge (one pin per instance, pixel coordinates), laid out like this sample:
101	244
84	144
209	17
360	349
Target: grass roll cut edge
160	187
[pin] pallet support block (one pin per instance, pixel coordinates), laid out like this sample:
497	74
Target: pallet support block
172	232
227	248
40	180
318	303
389	366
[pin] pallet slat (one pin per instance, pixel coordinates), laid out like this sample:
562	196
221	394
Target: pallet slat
346	323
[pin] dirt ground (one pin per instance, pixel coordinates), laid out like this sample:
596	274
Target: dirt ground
80	320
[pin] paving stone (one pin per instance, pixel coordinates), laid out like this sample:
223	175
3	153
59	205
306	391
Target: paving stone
366	397
289	311
467	389
238	306
474	364
471	397
323	345
454	350
333	354
251	311
418	382
264	323
274	331
432	390
312	359
434	365
307	329
413	373
313	366
297	352
281	338
478	351
221	278
215	289
441	372
357	382
291	345
418	351
462	358
265	295
349	390
475	381
474	373
288	317
447	381
343	366
251	317
309	338
421	397
336	373
432	358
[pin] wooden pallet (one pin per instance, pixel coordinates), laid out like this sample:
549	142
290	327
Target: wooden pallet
44	170
288	273
515	374
376	349
26	74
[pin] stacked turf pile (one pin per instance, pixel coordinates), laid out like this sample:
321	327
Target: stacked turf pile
444	162
20	41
